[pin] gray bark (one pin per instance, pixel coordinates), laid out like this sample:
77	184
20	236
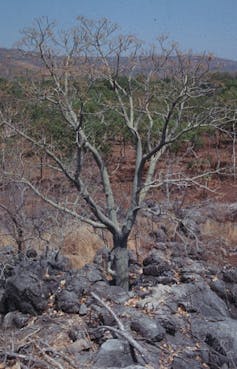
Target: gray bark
120	266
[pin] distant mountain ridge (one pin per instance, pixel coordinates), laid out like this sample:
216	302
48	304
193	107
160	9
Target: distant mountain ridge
14	62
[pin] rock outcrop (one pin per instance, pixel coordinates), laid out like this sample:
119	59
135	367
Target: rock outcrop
181	310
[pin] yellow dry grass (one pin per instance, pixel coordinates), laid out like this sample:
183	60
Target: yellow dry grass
80	245
6	240
80	242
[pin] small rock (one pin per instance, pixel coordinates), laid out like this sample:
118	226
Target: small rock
114	293
183	363
166	279
57	261
67	301
31	253
2	301
219	287
148	328
127	367
74	333
156	270
230	275
161	234
94	276
114	353
169	326
217	360
233	292
15	319
106	317
81	344
83	310
214	343
102	257
154	258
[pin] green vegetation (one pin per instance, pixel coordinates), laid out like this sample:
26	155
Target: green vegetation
45	121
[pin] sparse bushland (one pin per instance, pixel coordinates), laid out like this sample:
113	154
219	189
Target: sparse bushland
99	86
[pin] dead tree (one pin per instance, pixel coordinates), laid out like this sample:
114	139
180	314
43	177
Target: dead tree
153	97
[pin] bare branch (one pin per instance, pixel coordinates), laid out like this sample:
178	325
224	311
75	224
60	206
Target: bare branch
61	207
122	331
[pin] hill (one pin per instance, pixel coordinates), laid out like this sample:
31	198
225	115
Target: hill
14	62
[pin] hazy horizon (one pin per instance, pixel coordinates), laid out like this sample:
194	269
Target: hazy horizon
204	26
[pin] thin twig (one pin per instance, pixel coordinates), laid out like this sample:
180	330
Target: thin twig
62	355
120	324
48	358
130	340
122	331
29	358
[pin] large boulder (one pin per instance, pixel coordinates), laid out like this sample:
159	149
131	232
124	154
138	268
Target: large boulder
113	293
80	281
220	337
193	298
26	290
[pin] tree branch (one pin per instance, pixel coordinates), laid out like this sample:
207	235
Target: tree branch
122	331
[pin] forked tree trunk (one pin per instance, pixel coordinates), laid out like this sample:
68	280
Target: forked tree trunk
121	262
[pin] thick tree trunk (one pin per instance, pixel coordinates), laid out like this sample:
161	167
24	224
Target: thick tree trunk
120	262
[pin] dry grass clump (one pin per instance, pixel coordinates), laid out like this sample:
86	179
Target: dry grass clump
80	245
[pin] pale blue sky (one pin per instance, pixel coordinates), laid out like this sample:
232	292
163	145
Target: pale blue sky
203	25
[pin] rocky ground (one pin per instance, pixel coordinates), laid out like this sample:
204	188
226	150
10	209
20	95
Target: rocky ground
180	312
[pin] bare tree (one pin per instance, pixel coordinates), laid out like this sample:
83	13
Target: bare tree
99	78
24	220
14	222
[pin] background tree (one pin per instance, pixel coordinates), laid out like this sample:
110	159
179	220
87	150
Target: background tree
99	86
